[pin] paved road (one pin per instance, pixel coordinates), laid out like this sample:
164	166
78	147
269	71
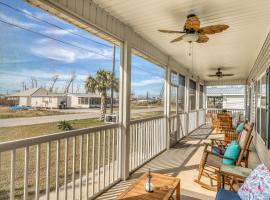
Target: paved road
93	113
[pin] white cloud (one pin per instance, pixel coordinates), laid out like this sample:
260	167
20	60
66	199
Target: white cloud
27	12
153	81
17	22
46	49
56	31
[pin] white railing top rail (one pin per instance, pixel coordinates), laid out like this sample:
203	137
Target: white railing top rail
15	144
240	109
146	119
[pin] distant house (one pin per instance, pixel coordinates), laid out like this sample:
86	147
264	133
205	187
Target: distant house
226	97
42	98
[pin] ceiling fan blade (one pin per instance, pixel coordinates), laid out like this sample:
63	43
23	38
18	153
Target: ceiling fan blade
213	29
177	39
202	38
227	74
212	75
170	31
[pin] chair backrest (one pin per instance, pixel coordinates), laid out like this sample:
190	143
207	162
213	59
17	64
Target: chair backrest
244	141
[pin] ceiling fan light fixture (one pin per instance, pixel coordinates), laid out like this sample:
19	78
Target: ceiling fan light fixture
191	37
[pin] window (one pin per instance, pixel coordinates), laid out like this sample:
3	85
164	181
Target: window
201	97
192	95
173	100
258	105
84	100
174	78
215	102
263	107
147	88
181	93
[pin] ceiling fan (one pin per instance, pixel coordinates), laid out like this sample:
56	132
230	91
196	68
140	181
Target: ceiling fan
192	31
219	74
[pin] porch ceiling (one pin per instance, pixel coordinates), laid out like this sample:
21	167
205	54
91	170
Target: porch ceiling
235	48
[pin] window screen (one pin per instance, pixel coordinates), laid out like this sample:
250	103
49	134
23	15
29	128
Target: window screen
181	94
192	95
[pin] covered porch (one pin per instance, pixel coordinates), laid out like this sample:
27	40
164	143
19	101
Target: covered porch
103	161
181	160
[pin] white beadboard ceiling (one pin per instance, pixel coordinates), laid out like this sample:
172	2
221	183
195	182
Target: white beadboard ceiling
236	48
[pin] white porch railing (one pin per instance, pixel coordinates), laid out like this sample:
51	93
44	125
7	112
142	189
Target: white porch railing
82	162
192	121
147	139
201	117
237	114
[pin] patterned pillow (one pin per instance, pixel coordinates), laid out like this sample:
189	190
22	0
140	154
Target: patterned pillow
257	185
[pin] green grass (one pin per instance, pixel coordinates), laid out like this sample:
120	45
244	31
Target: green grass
5	113
20	132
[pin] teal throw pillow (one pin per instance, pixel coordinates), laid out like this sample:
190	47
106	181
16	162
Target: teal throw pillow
240	127
232	151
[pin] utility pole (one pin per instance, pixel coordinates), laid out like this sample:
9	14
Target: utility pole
113	72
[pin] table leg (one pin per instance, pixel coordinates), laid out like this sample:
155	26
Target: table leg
178	191
223	181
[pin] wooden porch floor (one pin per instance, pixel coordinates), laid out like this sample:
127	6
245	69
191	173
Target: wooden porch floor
180	161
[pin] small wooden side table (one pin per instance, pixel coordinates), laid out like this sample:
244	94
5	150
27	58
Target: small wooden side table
164	187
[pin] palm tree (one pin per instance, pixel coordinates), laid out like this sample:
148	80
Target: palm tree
102	82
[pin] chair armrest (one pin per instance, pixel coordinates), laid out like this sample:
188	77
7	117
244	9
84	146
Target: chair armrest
218	155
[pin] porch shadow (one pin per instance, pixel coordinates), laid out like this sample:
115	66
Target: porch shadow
180	160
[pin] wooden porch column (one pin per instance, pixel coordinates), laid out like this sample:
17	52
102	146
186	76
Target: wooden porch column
167	105
125	87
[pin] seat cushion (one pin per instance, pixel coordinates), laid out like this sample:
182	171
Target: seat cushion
214	160
217	150
227	195
232	151
240	127
257	185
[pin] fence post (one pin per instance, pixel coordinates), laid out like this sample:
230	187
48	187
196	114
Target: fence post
125	87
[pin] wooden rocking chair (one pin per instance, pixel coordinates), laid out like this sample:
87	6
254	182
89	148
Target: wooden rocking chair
211	162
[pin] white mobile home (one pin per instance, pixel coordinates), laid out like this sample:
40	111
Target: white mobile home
42	98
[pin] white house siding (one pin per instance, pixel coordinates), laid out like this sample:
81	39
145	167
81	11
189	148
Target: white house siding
233	102
24	101
45	102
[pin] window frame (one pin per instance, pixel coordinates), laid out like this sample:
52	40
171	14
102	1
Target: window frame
180	86
201	92
195	95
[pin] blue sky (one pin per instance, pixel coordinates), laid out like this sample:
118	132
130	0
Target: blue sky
38	49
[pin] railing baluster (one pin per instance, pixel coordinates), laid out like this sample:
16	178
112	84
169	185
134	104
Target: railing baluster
87	167
57	169
48	171
109	156
37	171
66	167
93	163
73	167
99	146
103	156
118	152
12	174
130	148
26	162
113	152
81	157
